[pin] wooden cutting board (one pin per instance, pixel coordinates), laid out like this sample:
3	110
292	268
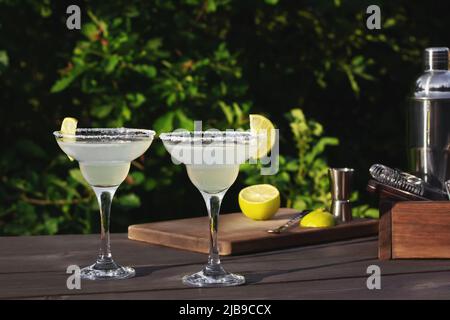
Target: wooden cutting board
239	234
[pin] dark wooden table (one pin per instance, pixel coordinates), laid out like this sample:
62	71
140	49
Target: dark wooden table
35	267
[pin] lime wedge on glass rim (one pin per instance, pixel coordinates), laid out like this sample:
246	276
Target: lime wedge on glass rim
265	130
69	126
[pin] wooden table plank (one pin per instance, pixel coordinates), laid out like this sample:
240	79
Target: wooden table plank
34	267
55	253
435	286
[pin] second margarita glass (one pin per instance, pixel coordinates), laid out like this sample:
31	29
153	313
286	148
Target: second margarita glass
212	160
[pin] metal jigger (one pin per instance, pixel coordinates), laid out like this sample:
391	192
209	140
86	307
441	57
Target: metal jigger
341	189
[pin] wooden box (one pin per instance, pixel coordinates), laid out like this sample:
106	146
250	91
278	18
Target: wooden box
414	229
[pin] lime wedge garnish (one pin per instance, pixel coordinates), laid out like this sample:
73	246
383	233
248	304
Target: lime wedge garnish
69	126
265	130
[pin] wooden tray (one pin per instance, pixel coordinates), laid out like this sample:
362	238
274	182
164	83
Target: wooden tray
238	234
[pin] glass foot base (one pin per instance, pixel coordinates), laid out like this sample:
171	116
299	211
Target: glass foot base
213	279
112	271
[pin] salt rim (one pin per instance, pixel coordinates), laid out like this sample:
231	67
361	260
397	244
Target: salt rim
107	134
208	136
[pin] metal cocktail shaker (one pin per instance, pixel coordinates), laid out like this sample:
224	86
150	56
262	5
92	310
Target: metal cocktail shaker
429	120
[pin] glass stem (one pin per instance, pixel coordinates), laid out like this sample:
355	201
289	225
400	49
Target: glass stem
104	197
213	202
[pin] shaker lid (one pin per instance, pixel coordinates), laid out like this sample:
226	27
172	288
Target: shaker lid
435	82
436	58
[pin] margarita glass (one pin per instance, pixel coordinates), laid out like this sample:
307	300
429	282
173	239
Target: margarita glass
212	160
104	156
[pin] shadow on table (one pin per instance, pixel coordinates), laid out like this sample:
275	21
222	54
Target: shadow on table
257	277
142	271
147	270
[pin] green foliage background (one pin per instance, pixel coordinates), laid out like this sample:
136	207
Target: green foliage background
163	63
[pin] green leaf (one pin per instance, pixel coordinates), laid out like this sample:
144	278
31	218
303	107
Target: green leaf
132	11
364	211
111	63
136	99
171	99
228	112
358	60
4	59
138	177
26	211
319	147
237	110
372	213
271	2
126	113
351	78
78	177
61	84
153	44
184	121
116	22
66	80
98	22
291	166
45	11
130	200
211	6
51	225
299	204
150	184
390	22
284	177
193	2
146	70
101	111
298	115
164	123
90	30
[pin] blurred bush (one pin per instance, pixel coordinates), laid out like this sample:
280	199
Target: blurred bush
162	64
